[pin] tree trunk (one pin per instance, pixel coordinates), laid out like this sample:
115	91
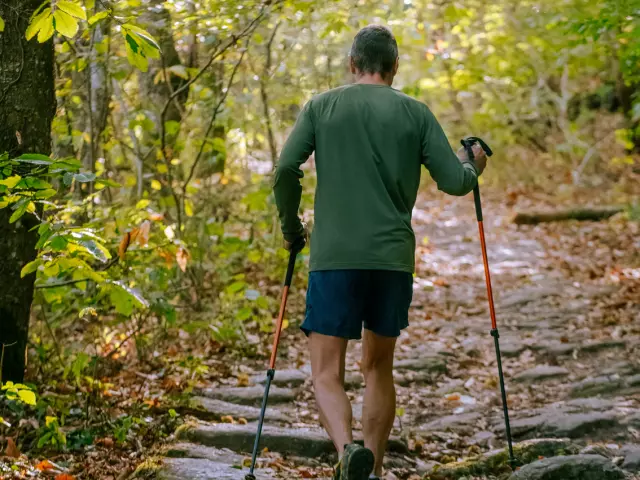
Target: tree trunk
27	107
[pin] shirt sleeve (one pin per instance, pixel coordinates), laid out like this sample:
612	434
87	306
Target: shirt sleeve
451	175
286	186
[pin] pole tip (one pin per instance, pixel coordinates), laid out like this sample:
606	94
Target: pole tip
249	476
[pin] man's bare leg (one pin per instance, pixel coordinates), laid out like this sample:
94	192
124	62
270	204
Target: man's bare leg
380	394
327	367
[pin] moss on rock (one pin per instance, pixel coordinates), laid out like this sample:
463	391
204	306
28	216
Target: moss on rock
496	462
149	469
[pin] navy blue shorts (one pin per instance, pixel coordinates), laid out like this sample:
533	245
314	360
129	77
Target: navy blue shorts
340	302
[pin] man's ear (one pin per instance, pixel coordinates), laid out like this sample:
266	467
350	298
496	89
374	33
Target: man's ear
352	66
395	67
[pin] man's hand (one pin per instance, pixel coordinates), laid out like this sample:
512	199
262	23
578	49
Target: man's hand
305	235
479	156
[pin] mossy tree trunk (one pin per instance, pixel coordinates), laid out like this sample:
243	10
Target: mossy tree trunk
27	107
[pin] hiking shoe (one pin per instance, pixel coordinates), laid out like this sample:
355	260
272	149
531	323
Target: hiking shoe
356	463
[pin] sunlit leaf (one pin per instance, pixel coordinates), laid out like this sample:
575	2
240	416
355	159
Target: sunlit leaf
99	16
134	294
37	22
1	25
30	267
11	181
27	396
72	9
65	24
47	29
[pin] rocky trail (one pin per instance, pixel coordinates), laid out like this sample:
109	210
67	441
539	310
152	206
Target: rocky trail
571	358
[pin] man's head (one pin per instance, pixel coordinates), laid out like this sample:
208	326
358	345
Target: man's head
374	52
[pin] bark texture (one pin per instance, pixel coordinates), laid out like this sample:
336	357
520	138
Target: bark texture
27	107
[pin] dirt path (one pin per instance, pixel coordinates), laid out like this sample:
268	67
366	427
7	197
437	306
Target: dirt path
571	359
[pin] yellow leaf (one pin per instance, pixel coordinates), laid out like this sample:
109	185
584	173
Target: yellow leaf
27	396
188	208
156	185
65	24
46	31
11	181
49	420
72	9
99	16
1	25
37	23
243	380
285	324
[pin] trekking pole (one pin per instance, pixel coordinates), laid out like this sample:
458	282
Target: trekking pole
295	249
468	144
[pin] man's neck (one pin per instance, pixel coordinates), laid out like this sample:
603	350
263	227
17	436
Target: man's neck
372	79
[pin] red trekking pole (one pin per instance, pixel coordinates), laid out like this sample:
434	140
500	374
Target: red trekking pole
468	143
295	249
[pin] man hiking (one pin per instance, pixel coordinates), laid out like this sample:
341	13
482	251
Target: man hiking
370	142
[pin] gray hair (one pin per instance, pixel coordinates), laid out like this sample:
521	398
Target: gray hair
374	50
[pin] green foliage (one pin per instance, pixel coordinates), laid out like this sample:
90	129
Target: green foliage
18	392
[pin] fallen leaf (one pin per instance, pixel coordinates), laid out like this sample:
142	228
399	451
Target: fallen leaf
44	465
143	235
127	239
12	449
242	421
227	419
182	257
65	476
243	380
452	397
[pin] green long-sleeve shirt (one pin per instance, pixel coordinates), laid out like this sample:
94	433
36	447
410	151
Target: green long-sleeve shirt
370	142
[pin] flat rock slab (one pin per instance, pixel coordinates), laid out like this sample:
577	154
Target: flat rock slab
304	442
193	450
423	364
556	423
283	378
571	467
250	395
631	454
212	409
462	423
541	372
606	385
203	469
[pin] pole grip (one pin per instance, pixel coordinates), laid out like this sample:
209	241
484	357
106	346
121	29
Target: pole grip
296	248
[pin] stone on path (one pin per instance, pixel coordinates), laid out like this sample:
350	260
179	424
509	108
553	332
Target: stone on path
462	423
541	372
431	364
572	467
307	442
497	462
603	345
606	385
283	378
203	469
212	409
559	423
193	450
239	438
249	395
631	454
